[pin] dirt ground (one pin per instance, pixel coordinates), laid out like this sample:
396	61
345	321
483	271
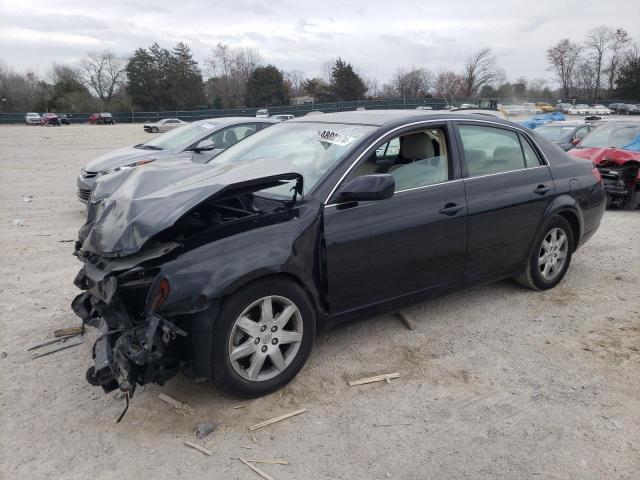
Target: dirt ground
496	382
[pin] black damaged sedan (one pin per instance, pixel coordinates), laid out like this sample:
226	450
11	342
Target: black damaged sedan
225	271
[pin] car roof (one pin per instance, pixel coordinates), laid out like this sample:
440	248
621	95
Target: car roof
379	118
565	123
221	121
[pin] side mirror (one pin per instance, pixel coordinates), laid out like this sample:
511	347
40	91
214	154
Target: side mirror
204	146
575	141
368	187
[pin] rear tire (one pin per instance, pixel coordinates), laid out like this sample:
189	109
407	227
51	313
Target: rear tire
254	354
550	257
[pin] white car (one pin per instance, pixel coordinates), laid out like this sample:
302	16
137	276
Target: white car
531	108
580	109
163	125
283	117
262	113
600	110
32	118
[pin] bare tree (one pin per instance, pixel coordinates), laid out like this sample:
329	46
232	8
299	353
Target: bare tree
480	69
618	45
295	78
447	84
412	83
596	42
562	59
373	87
585	79
231	69
103	73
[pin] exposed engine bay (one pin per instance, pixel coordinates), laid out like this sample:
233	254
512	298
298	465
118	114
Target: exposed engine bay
622	183
141	340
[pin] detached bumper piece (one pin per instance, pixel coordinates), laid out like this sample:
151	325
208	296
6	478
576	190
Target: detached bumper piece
129	351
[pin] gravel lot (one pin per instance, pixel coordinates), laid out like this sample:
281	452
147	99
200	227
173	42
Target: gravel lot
496	382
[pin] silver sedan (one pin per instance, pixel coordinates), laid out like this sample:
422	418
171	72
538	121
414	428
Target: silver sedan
163	125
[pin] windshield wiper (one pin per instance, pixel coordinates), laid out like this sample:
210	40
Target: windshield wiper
150	147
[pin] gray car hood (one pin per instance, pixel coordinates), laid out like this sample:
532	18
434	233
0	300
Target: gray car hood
124	156
128	208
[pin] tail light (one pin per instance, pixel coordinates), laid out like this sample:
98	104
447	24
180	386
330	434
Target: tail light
162	292
596	173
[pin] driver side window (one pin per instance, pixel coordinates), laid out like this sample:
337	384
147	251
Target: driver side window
415	159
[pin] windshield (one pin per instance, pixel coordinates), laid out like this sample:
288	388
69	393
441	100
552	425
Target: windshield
310	149
615	136
555	133
181	137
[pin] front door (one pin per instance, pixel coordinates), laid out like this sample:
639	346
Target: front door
381	250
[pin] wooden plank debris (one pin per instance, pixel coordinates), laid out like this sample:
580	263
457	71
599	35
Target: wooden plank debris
275	461
271	421
264	475
206	451
378	378
408	321
64	332
176	404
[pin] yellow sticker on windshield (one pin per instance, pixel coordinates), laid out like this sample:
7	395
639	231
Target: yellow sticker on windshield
335	138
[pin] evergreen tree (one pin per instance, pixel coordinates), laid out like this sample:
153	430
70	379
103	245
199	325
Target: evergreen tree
345	83
628	80
185	78
266	88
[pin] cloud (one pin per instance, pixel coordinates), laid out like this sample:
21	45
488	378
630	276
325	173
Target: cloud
375	35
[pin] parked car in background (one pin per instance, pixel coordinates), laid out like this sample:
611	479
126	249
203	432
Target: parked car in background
262	113
103	118
545	107
628	109
283	117
310	223
529	107
580	109
563	107
32	118
64	119
50	119
614	147
566	134
198	142
163	125
600	110
424	107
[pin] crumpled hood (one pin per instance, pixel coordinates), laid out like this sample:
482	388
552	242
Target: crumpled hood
123	156
129	207
599	155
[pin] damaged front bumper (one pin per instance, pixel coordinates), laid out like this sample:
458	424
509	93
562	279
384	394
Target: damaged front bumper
133	348
619	180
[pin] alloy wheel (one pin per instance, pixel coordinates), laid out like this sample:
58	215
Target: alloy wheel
553	253
265	338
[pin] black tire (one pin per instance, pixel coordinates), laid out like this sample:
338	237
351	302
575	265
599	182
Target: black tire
532	277
632	200
223	371
154	129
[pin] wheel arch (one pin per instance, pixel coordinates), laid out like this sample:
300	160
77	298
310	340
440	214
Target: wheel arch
567	207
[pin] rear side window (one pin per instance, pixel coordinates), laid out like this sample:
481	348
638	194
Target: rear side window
531	158
489	150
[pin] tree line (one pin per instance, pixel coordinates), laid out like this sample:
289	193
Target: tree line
605	64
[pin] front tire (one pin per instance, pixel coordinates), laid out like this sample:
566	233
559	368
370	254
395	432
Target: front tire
550	257
262	337
154	129
632	200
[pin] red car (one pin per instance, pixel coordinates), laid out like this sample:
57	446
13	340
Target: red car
614	147
103	118
49	119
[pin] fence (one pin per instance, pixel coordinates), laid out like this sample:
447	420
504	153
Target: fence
297	110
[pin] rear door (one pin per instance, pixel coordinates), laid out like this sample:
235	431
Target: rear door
385	249
508	188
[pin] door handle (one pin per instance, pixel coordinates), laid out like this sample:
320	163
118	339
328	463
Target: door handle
451	209
541	189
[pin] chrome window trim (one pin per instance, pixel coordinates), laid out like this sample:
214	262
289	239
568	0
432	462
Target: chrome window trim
455	180
424	122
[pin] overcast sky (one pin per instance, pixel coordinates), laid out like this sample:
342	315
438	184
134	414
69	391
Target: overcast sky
376	36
